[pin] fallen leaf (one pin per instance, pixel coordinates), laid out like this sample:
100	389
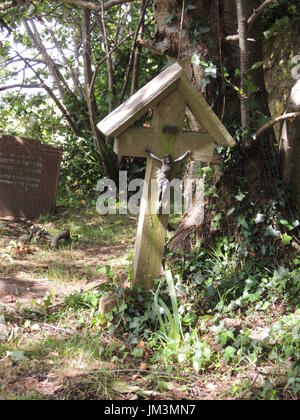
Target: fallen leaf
165	386
16	356
141	344
144	366
124	388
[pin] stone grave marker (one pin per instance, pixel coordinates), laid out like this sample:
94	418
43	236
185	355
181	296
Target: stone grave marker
29	172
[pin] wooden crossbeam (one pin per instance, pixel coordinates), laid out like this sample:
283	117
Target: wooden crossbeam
134	141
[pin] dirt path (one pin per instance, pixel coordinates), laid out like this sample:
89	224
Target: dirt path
29	274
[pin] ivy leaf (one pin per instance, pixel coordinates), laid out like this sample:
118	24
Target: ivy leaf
138	352
241	220
240	197
230	211
260	217
211	71
270	231
295	224
286	239
229	353
195	59
16	356
257	65
189	7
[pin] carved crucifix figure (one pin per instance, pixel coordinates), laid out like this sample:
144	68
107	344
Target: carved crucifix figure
164	174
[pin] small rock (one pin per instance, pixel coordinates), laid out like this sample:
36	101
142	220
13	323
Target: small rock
260	334
107	303
3	330
232	322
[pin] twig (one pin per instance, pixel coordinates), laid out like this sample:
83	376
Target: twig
59	329
131	57
104	58
62	235
181	26
257	12
276	120
252	19
20	85
95	7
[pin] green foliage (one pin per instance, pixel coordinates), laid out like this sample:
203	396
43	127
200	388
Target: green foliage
32	113
283	9
170	323
198	30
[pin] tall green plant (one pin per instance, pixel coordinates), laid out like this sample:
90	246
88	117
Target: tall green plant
170	322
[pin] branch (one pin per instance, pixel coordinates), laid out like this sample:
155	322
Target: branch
157	48
90	98
22	86
133	48
109	65
17	60
52	95
138	51
234	38
104	58
276	120
56	74
95	7
252	19
257	12
68	67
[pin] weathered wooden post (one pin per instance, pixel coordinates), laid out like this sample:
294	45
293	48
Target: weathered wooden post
168	94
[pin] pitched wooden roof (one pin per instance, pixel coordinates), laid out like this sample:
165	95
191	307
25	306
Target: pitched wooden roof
153	92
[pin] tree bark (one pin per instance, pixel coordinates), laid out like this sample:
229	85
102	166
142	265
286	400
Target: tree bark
107	161
109	64
138	50
170	40
244	67
58	78
289	142
73	75
89	5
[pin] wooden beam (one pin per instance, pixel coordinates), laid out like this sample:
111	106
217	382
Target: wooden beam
138	104
134	141
152	228
151	233
207	118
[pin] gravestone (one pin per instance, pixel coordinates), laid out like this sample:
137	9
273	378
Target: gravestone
29	172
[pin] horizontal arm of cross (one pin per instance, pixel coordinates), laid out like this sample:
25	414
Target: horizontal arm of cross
134	141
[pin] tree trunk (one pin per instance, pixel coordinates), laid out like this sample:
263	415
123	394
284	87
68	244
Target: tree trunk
289	143
221	17
244	67
108	163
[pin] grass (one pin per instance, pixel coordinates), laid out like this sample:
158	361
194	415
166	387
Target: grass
70	351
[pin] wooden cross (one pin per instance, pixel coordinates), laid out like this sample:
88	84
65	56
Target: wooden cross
152	228
169	94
